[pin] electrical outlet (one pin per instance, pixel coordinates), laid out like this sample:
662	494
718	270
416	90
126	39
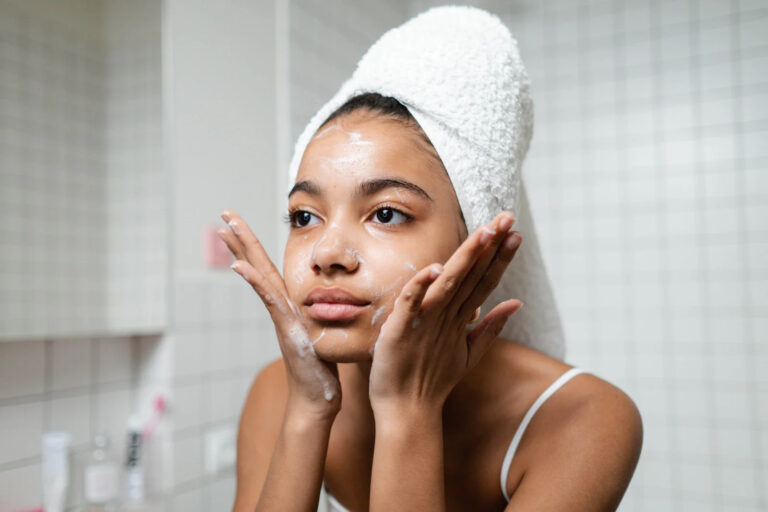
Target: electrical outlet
220	449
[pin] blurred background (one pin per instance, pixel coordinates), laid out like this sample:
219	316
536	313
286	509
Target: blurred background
126	126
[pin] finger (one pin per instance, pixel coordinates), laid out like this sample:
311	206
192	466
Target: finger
503	223
493	275
480	338
407	306
414	291
254	251
272	299
459	265
233	244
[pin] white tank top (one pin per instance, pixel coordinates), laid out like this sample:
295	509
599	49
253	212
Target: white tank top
333	504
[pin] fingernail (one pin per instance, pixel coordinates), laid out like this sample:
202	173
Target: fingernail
233	225
514	219
225	215
435	271
235	266
486	234
513	240
505	223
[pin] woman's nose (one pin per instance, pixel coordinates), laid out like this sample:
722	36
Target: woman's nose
333	252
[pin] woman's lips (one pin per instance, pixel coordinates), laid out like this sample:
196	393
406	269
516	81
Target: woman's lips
335	311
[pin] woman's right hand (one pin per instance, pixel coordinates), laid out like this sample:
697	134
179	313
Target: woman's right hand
313	384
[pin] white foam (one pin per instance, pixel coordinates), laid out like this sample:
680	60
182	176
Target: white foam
377	314
322	333
304	346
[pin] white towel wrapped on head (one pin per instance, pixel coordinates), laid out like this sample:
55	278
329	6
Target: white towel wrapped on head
458	71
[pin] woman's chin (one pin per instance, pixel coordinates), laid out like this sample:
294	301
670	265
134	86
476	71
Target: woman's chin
342	345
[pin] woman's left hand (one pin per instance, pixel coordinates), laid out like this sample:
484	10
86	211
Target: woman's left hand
424	347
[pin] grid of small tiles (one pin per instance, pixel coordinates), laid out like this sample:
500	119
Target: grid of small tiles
648	177
83	223
81	208
137	182
52	179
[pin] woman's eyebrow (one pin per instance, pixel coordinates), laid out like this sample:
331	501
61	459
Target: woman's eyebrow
366	188
370	187
305	186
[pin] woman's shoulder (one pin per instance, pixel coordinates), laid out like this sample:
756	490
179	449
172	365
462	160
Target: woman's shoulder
258	431
521	367
267	397
270	382
527	373
587	423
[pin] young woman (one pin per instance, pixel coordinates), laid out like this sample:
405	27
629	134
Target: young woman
390	391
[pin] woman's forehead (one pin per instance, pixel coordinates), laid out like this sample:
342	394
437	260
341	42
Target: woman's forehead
354	149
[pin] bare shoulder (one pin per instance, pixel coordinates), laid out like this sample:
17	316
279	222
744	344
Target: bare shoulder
268	394
259	428
585	440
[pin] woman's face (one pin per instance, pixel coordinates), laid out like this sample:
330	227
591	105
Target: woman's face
372	205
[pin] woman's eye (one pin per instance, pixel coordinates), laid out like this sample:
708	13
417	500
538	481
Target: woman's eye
390	216
302	218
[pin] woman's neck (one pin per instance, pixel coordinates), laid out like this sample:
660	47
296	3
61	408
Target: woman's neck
355	404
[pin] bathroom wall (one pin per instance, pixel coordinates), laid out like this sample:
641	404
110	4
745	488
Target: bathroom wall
53	179
648	177
83	187
79	153
137	183
219	102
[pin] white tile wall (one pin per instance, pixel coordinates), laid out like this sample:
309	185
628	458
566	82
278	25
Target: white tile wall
137	183
52	213
73	107
83	211
55	385
222	132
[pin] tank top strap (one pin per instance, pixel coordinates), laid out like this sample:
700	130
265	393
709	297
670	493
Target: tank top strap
565	377
332	504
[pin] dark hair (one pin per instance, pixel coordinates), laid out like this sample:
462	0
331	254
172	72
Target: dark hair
386	106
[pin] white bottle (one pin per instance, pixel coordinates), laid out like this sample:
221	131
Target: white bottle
100	477
55	470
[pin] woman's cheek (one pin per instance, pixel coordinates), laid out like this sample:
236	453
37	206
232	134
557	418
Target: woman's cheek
296	270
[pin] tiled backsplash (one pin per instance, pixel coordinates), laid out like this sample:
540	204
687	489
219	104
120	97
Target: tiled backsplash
84	192
83	386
